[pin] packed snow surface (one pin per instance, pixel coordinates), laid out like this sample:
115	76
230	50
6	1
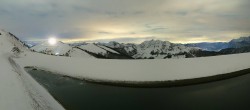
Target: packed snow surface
138	70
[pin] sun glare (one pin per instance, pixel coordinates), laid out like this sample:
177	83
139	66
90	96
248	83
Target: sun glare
52	41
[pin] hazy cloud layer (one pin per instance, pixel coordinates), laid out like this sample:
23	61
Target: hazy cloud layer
127	20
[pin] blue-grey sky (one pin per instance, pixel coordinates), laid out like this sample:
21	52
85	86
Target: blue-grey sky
180	21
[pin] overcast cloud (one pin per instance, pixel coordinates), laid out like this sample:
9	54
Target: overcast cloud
127	20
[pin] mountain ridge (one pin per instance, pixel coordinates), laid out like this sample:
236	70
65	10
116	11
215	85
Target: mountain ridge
158	49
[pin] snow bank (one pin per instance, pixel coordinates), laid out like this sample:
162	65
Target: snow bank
18	91
13	95
138	70
40	97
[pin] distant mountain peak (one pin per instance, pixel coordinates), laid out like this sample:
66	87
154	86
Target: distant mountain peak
153	41
152	49
241	39
240	42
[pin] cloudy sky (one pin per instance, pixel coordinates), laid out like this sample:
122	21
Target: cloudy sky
179	21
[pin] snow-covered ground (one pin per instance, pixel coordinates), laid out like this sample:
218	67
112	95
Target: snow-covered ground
13	95
138	70
18	91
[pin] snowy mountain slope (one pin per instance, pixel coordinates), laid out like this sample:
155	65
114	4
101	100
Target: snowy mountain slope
93	48
18	91
240	42
161	49
101	51
156	49
32	43
60	49
77	44
153	49
11	88
226	51
10	40
112	44
108	49
127	49
75	52
217	46
243	49
209	46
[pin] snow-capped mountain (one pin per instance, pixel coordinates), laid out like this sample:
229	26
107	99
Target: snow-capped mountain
10	41
162	49
75	44
97	49
209	46
235	46
240	42
60	49
217	46
127	49
32	43
235	50
153	49
75	52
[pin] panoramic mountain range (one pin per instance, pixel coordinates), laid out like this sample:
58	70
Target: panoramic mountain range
152	49
217	46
